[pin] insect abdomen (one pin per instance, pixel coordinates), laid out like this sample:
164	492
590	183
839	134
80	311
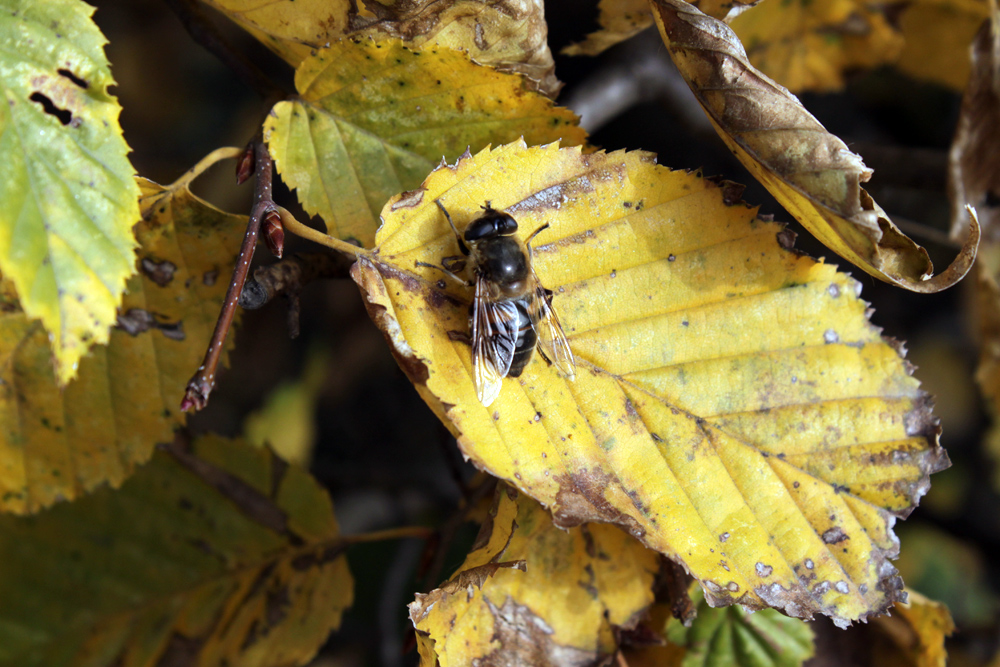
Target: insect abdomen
526	340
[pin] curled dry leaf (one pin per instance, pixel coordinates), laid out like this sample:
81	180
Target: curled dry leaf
809	171
974	160
56	445
214	553
530	593
374	117
510	35
733	407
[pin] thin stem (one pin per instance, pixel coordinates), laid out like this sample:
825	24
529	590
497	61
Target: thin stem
219	154
292	225
202	382
401	533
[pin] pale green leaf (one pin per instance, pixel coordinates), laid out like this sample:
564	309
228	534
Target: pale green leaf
68	192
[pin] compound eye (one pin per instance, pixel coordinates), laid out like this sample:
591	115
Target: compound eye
506	224
480	228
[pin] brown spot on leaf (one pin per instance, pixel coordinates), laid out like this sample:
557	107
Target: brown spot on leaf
835	535
409	199
581	500
526	639
160	273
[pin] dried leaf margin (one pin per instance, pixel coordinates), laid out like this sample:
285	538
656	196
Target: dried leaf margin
974	161
809	171
530	593
600	484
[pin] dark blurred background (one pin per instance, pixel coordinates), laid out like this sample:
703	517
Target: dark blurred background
381	452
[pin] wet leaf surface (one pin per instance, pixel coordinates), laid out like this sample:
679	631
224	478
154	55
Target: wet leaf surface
375	118
58	444
68	190
733	407
214	553
531	593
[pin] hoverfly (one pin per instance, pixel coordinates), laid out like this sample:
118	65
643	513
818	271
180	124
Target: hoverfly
511	311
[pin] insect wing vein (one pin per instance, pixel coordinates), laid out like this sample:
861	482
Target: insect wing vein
494	337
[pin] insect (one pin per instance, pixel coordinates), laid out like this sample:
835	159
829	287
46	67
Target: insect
511	311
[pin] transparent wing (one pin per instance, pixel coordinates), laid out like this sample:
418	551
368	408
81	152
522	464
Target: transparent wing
551	339
494	337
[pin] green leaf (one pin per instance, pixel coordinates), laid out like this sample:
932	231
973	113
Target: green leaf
56	445
68	192
733	637
215	553
375	118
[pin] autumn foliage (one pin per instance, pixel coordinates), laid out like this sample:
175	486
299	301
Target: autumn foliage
719	482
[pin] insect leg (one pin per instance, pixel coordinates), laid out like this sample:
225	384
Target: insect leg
458	237
463	281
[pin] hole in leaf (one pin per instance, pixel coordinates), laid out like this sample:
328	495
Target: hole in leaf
74	78
64	116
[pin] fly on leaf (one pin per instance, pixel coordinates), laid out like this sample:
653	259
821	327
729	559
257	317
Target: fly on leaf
511	312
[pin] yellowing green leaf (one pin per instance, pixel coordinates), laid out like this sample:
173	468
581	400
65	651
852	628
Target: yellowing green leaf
532	594
57	444
374	119
810	45
948	25
809	171
735	637
68	192
733	407
216	553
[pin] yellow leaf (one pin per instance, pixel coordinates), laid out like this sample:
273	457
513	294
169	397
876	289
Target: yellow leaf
292	28
509	35
917	630
374	118
809	171
619	19
68	189
732	406
810	44
948	25
533	594
57	444
214	553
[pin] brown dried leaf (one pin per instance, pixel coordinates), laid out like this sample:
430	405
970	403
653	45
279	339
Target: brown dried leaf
809	171
974	161
510	35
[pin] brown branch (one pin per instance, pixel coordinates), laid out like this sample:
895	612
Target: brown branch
203	31
290	275
201	384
